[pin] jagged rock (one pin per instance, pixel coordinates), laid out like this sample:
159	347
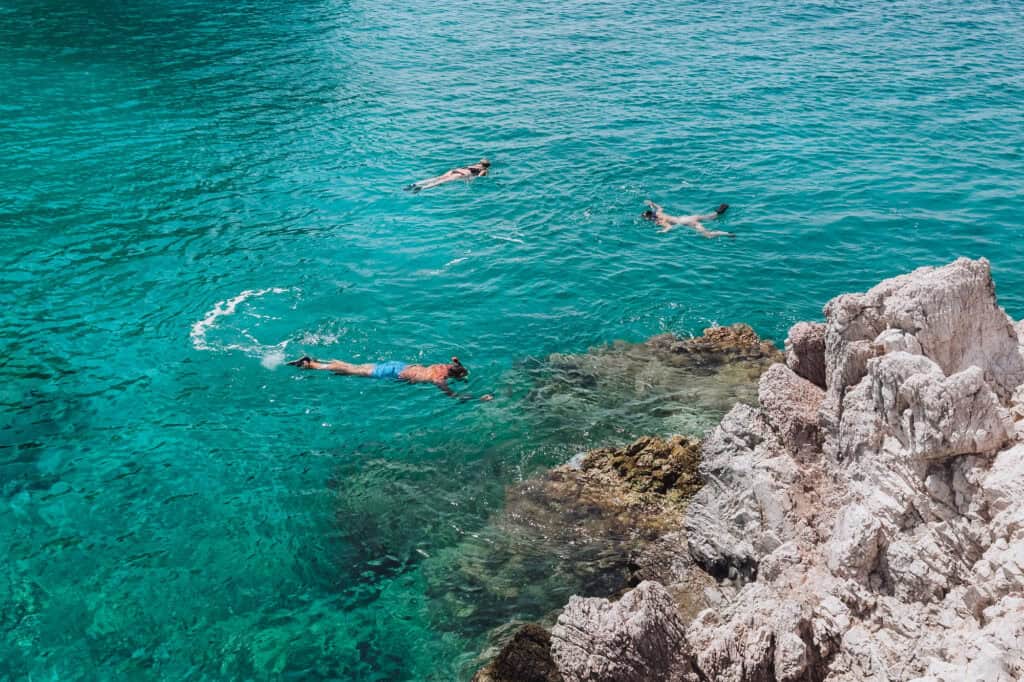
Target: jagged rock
951	313
855	542
636	639
992	650
805	351
525	658
791	404
897	556
739	515
769	641
933	416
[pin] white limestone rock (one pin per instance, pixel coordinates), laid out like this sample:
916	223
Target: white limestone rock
952	315
740	514
805	351
933	416
856	539
636	639
790	404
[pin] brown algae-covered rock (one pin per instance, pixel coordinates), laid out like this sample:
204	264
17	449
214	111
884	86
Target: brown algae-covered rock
525	658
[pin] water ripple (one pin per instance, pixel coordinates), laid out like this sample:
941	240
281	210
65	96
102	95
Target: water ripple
173	511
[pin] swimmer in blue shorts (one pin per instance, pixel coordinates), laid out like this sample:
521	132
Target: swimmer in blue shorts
398	371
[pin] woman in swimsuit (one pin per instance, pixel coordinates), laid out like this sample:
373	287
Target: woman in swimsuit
397	371
478	169
668	222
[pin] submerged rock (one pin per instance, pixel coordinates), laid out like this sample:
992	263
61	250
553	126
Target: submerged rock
651	465
870	531
582	527
598	528
717	344
665	384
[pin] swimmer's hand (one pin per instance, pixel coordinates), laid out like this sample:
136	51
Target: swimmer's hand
466	397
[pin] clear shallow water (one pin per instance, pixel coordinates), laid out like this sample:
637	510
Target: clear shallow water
175	505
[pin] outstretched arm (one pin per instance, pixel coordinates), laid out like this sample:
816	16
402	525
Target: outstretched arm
443	385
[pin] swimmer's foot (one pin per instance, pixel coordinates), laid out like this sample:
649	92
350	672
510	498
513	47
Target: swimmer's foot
302	363
722	208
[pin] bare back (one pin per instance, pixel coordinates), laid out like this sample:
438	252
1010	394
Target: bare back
425	374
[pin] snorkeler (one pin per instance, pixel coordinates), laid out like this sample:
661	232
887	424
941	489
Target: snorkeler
668	222
478	169
398	371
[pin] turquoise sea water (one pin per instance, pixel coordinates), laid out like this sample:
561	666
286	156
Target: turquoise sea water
192	191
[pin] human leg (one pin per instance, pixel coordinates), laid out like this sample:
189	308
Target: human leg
336	366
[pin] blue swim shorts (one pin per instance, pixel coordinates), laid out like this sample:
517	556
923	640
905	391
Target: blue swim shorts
388	370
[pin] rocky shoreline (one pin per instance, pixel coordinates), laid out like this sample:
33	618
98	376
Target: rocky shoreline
863	521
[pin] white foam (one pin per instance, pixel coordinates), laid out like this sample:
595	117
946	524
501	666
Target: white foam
270	355
273	359
320	338
222	309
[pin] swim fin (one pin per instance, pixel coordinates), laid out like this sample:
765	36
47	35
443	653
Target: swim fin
722	208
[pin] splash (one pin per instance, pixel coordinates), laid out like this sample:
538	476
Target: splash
320	338
271	355
274	358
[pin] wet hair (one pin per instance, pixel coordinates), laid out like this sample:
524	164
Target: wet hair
485	163
456	370
647	215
